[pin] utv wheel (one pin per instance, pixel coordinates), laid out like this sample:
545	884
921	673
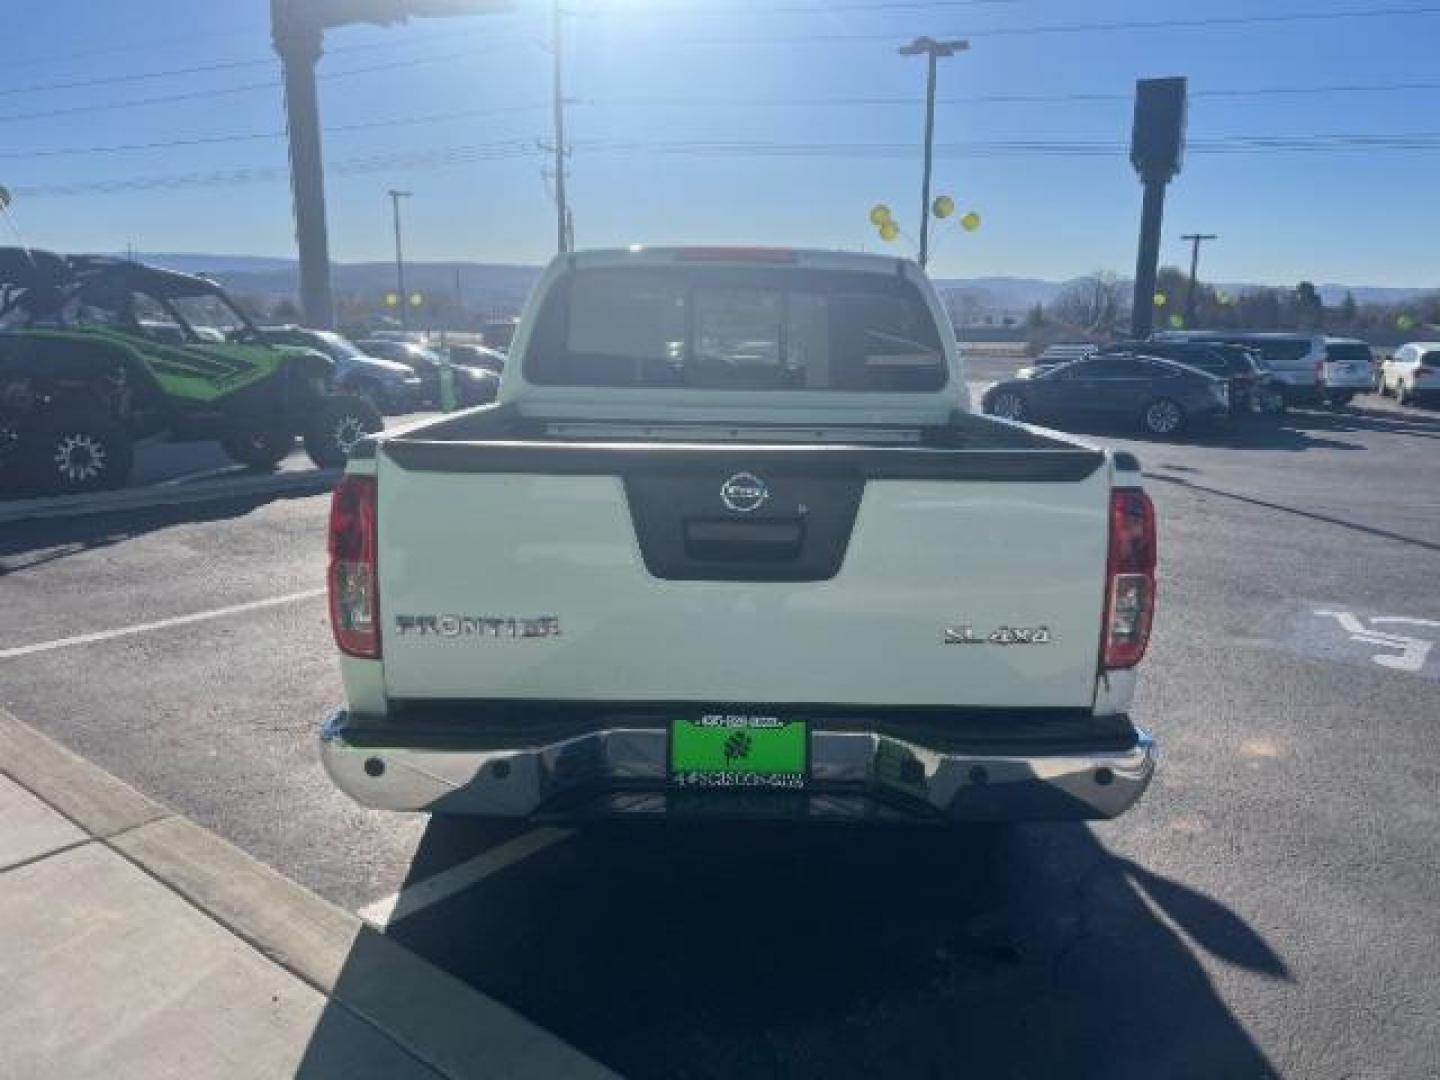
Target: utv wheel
337	424
258	449
1008	405
77	452
1163	417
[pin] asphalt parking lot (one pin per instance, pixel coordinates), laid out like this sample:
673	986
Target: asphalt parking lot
1268	909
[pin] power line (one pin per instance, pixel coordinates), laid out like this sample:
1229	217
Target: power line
245	88
189	39
439	157
684	102
1073	28
647	10
1063	28
260	136
993	99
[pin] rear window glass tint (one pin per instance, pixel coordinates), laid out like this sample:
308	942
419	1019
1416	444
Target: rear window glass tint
733	328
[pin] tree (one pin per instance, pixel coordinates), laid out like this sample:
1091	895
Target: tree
1094	302
285	311
1309	308
1348	309
1034	318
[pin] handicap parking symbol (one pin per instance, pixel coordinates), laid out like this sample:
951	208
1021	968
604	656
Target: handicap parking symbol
1399	650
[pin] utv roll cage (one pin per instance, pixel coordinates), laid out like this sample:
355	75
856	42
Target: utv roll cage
40	286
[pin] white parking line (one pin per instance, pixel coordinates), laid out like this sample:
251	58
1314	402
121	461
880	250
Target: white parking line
159	624
458	878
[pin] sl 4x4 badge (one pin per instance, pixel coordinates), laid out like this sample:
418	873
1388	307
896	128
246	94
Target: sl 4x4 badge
965	634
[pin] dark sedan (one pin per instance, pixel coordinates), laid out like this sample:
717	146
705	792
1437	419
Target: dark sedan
1251	388
1162	397
473	385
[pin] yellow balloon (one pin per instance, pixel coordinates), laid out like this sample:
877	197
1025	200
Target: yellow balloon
970	222
1176	322
879	214
1161	299
416	299
943	206
889	230
392	299
1405	322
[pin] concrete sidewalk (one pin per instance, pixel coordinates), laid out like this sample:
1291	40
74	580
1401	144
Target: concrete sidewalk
135	944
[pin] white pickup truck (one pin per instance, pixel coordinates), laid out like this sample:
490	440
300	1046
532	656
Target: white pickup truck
732	542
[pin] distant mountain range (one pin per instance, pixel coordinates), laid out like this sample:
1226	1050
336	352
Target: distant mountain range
500	284
1018	294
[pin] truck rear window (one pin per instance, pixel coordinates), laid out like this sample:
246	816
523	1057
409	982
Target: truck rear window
731	328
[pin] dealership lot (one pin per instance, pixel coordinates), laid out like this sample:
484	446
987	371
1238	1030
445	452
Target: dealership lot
1267	908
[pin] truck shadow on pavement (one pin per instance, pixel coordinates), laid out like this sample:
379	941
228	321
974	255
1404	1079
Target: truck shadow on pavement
25	545
797	950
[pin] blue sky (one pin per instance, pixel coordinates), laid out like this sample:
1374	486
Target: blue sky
651	75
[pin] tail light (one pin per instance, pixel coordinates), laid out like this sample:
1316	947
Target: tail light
353	580
1130	579
1319	371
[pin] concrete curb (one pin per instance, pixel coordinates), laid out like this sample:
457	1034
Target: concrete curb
306	482
437	1019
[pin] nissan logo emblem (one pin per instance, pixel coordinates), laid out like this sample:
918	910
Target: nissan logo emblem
744	492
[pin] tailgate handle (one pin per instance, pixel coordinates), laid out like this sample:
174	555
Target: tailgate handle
743	541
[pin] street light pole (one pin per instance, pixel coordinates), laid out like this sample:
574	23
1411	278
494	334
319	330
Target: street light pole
1195	240
395	197
562	210
932	50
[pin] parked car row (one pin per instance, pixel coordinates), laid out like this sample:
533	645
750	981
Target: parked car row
1181	379
398	375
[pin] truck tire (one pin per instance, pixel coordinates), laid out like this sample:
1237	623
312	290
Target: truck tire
339	421
262	449
1341	399
76	451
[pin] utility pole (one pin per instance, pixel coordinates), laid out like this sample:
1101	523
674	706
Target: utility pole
395	197
562	209
933	50
1195	240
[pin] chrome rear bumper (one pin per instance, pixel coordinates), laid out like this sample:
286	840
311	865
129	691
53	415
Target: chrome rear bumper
622	771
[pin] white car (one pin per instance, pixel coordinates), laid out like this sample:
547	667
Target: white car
1413	373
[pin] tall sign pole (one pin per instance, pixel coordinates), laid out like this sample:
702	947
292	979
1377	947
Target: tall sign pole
299	43
1157	149
297	28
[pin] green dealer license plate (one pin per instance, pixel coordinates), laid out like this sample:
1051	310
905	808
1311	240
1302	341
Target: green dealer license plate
727	751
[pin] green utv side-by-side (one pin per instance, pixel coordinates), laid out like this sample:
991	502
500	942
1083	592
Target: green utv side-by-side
96	352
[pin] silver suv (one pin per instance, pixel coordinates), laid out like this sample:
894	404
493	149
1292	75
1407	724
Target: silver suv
1297	362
